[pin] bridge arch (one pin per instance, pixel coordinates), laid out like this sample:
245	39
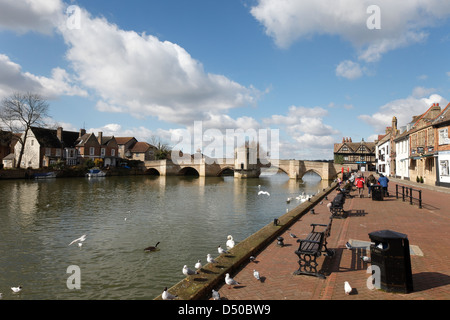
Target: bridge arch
227	171
313	171
152	172
188	171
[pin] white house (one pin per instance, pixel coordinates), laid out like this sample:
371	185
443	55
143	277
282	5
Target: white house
382	153
402	154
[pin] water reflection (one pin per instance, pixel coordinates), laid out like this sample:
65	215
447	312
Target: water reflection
121	216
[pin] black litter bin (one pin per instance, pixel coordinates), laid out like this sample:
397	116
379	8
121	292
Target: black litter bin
377	192
389	251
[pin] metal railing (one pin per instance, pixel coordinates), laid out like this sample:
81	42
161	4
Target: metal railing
407	192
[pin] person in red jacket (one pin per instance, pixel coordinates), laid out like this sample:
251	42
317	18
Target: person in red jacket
359	182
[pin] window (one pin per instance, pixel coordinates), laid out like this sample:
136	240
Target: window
58	152
48	151
32	142
443	136
443	168
113	152
103	152
91	151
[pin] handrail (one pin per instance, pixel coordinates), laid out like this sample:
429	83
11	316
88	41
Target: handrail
409	194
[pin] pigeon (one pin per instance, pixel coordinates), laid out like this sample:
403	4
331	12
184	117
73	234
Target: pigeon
16	289
215	295
188	272
365	259
348	246
81	239
230	281
293	235
347	288
263	192
210	259
198	265
166	295
221	250
256	275
252	258
230	242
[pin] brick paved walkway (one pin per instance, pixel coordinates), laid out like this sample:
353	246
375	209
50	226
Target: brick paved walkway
428	230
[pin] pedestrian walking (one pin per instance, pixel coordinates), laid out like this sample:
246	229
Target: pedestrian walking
384	181
359	182
371	181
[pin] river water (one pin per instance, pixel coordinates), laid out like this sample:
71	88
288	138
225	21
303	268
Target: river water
120	216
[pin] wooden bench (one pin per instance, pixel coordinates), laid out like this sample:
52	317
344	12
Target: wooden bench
311	248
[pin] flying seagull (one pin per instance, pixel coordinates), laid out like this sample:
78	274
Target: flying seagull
188	272
263	192
81	239
166	295
230	281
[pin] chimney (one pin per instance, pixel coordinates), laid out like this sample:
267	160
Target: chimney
350	139
82	132
59	133
100	137
343	139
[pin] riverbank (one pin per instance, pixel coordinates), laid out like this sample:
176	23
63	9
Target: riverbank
197	287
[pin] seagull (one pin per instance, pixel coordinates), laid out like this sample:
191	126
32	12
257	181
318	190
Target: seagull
365	259
256	275
152	248
348	246
16	289
188	272
210	259
215	295
230	281
166	295
263	192
230	242
259	186
81	239
347	288
198	265
221	250
252	258
288	200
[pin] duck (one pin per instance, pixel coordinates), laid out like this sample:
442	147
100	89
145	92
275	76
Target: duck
152	248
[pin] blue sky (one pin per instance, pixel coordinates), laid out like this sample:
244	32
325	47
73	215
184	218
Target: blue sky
311	69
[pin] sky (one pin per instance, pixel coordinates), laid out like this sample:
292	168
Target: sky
306	72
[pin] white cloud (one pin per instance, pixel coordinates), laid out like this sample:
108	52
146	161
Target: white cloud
403	109
13	79
421	92
143	76
30	15
349	69
402	23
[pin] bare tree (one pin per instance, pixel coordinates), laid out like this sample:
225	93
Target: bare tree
162	149
21	111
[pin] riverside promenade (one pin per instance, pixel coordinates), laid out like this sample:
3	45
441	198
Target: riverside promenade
427	228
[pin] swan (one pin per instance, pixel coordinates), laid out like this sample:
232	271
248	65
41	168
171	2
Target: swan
230	242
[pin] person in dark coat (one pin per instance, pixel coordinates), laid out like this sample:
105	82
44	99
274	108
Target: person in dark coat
338	200
383	181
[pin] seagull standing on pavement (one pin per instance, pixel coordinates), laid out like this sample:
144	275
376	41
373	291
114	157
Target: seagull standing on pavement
256	275
221	250
166	295
230	281
347	288
210	259
198	265
188	272
348	246
215	295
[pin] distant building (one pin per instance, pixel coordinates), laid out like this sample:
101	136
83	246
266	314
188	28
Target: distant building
441	126
358	155
143	151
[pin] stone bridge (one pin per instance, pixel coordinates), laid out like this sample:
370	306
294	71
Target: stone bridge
295	169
